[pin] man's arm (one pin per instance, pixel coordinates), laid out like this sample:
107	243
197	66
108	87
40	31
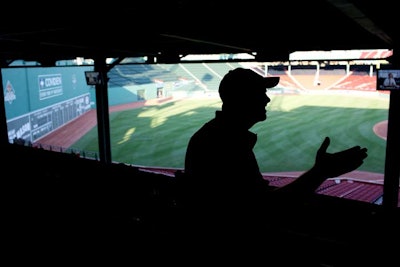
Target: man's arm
327	165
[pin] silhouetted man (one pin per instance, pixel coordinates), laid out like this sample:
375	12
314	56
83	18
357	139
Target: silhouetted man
223	184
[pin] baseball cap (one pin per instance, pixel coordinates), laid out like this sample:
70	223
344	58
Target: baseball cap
240	78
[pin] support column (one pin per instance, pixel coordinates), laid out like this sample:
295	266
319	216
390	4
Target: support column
103	122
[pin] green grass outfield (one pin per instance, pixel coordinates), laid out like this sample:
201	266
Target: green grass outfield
287	140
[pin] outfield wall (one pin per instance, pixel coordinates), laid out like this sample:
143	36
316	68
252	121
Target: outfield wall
39	100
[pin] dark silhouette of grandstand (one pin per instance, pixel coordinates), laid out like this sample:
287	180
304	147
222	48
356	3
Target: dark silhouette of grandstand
353	189
73	203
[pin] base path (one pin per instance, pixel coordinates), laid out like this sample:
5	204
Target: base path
380	129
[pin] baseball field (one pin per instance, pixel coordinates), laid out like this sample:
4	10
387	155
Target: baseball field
157	135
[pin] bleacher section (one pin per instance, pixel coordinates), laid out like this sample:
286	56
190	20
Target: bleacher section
186	78
356	82
137	74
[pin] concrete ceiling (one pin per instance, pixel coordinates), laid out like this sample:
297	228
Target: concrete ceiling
170	29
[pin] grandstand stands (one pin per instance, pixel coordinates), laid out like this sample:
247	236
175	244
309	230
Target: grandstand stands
205	77
356	82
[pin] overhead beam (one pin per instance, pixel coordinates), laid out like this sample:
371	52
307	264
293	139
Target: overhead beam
350	10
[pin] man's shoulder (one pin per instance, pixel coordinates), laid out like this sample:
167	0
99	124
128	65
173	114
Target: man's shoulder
207	128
